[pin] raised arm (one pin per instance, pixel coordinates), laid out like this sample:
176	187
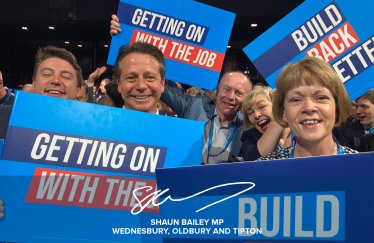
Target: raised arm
177	98
257	144
269	141
90	82
253	148
96	74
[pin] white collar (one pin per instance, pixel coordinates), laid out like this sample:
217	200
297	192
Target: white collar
230	122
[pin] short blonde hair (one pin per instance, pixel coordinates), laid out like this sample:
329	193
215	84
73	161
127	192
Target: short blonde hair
250	100
193	90
313	71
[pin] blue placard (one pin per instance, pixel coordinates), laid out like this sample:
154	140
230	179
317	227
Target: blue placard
16	91
192	36
341	32
69	169
317	199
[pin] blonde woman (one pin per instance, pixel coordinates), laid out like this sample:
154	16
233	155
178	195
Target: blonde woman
263	134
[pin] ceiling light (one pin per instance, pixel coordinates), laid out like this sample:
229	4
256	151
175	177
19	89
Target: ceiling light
228	46
105	45
51	27
79	45
24	28
253	25
66	42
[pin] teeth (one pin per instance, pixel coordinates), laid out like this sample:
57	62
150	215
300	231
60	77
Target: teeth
227	104
262	122
141	97
310	122
54	92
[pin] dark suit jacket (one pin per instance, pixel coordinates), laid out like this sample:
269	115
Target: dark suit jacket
199	108
90	95
351	134
366	143
249	147
161	112
5	111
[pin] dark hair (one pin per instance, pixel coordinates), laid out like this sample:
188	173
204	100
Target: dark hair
50	51
143	48
368	95
106	80
112	92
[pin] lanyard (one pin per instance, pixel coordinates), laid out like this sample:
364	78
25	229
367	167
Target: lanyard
369	130
292	142
7	98
340	150
211	137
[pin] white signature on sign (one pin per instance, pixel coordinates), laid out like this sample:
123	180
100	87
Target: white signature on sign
152	197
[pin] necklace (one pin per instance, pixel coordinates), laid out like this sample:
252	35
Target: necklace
296	155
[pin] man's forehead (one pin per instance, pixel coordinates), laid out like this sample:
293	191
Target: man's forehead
235	76
364	101
136	58
236	79
57	63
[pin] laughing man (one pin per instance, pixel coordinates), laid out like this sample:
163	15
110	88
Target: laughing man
56	74
351	134
223	124
140	73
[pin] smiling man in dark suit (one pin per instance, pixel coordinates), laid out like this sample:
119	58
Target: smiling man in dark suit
351	134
